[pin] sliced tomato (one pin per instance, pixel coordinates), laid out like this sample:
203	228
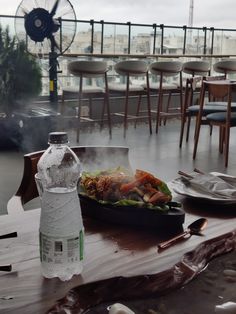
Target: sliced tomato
127	187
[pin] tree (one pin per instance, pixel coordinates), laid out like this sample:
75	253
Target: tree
20	74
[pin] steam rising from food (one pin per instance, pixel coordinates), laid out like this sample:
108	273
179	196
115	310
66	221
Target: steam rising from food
119	186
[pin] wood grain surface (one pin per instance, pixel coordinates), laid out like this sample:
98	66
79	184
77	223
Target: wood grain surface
110	251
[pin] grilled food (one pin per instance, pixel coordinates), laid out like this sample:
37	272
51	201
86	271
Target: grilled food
120	188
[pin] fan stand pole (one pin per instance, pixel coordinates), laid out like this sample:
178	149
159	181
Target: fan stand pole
53	77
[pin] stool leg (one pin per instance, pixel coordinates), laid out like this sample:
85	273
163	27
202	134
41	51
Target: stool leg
185	117
181	92
138	109
62	109
90	107
126	105
79	108
149	104
168	106
198	122
221	139
103	111
107	99
188	128
183	120
227	134
159	104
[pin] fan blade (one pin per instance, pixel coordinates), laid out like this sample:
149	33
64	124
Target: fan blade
54	9
24	10
25	13
54	43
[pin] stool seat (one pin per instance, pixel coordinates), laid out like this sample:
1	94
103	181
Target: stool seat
197	67
227	66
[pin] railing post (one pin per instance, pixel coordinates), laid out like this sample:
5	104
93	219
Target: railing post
205	34
154	38
185	37
129	36
61	35
102	35
162	38
212	39
92	35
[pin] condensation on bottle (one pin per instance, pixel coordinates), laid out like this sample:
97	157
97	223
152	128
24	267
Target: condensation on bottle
61	231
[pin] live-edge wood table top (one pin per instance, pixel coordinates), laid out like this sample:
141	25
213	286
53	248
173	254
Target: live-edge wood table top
109	251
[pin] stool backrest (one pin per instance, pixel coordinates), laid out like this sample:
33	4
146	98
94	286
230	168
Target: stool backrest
131	67
225	66
88	68
166	68
197	67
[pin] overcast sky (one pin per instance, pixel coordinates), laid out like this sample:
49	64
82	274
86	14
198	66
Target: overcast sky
214	13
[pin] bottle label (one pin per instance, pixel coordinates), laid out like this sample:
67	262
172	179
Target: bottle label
61	250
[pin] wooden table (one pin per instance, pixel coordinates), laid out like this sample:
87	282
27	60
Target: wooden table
109	251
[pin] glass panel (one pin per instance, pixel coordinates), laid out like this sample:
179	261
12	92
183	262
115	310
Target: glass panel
115	39
195	41
224	42
97	38
82	40
141	40
173	42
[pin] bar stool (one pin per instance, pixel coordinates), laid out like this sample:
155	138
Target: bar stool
92	70
166	69
132	69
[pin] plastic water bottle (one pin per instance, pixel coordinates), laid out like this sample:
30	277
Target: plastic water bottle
61	231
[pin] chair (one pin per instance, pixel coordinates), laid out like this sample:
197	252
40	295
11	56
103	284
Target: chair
166	69
226	67
92	158
132	69
191	106
89	70
225	120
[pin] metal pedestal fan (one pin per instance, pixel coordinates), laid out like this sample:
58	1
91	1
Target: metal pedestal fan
48	29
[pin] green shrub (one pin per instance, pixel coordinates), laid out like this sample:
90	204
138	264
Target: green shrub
20	74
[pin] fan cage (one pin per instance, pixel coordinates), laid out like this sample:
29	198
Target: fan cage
64	16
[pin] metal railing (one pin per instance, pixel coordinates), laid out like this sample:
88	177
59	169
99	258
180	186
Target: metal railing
163	39
112	40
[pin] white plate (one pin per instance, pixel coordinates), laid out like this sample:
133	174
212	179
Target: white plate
178	186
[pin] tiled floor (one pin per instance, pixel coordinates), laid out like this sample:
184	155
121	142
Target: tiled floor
157	153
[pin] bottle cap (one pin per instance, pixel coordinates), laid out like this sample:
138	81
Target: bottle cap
58	138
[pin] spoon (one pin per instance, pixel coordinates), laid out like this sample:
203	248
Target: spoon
194	228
